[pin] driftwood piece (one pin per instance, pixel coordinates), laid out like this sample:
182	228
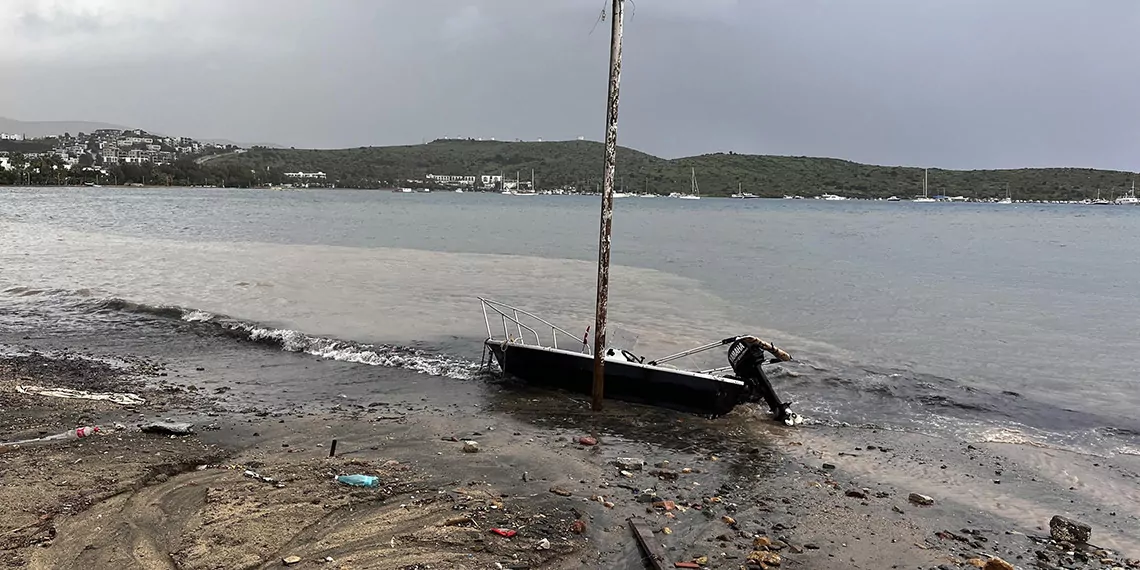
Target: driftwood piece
649	546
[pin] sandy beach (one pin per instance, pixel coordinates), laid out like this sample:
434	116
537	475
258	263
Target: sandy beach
254	484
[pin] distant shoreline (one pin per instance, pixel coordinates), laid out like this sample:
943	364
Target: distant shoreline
813	198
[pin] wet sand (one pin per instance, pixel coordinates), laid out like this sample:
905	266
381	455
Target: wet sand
725	489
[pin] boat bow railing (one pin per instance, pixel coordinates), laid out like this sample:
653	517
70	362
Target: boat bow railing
525	325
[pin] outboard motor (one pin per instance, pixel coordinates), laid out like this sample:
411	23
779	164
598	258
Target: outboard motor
746	355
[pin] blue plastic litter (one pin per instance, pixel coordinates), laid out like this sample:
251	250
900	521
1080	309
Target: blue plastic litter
359	480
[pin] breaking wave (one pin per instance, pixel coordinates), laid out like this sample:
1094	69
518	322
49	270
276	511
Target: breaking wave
836	394
391	356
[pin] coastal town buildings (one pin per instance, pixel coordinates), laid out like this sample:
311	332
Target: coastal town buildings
106	147
452	180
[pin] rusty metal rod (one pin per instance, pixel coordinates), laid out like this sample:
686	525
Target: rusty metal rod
610	161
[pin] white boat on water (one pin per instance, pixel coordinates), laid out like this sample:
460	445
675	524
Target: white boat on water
1007	199
1130	198
925	197
893	199
743	195
832	197
696	190
517	190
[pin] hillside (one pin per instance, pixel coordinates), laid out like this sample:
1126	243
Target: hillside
579	163
38	129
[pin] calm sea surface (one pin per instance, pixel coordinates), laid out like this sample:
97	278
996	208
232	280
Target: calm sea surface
1000	322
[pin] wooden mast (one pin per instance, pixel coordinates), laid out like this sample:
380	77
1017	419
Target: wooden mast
610	162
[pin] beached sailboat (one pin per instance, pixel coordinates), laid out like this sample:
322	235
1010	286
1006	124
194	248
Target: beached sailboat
541	353
925	197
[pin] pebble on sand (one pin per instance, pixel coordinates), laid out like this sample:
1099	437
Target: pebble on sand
920	499
998	564
290	560
764	558
1068	530
629	463
470	446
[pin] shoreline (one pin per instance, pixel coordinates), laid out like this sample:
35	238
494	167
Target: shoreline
730	483
452	190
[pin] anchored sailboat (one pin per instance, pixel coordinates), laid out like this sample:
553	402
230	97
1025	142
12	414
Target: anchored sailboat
1130	198
1007	199
693	187
925	197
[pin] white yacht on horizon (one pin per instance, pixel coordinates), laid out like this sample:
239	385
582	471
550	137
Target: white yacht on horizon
1007	199
925	197
696	190
1130	198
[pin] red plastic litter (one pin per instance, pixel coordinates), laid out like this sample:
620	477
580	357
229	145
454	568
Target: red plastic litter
503	532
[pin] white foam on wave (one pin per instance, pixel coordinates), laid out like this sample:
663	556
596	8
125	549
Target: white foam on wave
405	358
1128	450
290	340
1009	435
197	316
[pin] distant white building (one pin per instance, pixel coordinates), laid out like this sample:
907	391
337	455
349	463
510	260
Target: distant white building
11	137
305	174
449	179
5	164
134	156
489	180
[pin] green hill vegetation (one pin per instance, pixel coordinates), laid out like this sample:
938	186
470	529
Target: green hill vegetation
579	164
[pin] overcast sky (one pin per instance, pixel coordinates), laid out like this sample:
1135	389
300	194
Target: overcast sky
951	83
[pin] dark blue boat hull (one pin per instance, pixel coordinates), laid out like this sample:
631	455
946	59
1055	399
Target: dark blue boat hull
626	381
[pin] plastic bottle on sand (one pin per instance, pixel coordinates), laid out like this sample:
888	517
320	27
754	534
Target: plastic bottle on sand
359	480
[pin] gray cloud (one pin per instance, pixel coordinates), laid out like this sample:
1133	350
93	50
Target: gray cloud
954	83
